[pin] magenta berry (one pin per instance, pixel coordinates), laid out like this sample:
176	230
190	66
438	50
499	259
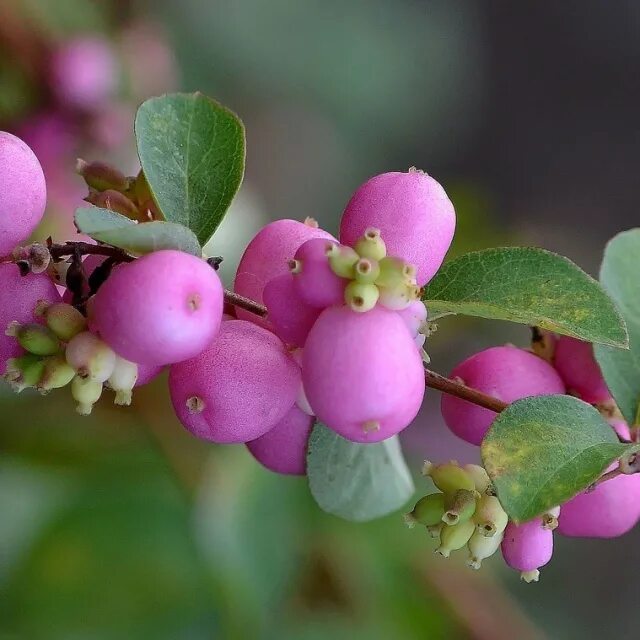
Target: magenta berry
267	256
147	373
527	547
239	388
290	316
507	373
315	281
84	73
18	298
163	308
574	361
23	192
283	448
412	212
362	374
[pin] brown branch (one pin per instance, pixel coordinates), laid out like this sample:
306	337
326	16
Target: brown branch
59	251
460	390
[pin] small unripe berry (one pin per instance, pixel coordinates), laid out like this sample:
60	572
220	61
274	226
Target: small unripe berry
291	317
527	547
395	271
448	477
91	357
507	373
162	308
35	338
122	380
267	256
459	506
315	281
481	548
239	388
23	193
342	260
86	392
428	511
24	371
480	476
455	537
490	518
574	361
283	448
361	297
63	319
57	373
371	245
399	297
362	374
412	212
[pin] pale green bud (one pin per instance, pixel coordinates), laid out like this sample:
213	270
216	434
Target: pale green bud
63	319
371	245
428	511
455	537
361	297
490	518
86	393
35	338
448	477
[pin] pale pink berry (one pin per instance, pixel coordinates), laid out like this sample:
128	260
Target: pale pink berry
239	388
291	318
84	73
574	361
283	448
415	316
315	281
23	192
413	213
91	357
147	373
19	296
506	373
527	547
267	256
362	374
162	308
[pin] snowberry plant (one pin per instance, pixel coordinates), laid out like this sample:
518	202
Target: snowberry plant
316	360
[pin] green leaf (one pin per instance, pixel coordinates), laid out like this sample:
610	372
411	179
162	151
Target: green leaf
355	481
542	451
619	276
192	152
90	220
527	285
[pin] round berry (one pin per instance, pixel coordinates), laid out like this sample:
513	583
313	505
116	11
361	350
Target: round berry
283	448
267	256
239	388
574	361
23	192
362	373
163	308
413	213
527	547
506	373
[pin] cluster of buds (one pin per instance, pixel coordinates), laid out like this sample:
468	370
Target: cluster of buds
110	189
61	351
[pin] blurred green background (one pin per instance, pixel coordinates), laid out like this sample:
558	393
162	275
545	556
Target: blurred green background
123	525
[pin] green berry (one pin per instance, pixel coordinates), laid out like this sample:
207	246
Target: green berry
449	477
490	518
86	392
459	506
63	319
35	338
428	510
455	537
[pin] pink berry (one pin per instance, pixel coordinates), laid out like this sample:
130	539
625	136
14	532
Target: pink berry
163	308
147	373
362	373
414	316
239	388
283	448
267	256
527	547
291	318
315	281
413	213
84	73
18	298
507	373
23	192
574	361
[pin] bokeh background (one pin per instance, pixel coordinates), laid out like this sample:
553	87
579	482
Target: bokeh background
123	526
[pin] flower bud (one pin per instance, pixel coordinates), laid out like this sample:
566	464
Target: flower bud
35	338
481	548
91	357
101	176
480	476
86	392
395	271
366	270
428	511
123	379
24	372
361	297
342	260
399	297
63	319
455	537
115	201
448	477
459	506
550	519
57	373
371	245
490	518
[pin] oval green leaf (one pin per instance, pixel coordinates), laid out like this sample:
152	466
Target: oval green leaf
527	285
542	451
619	276
192	152
355	481
90	220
